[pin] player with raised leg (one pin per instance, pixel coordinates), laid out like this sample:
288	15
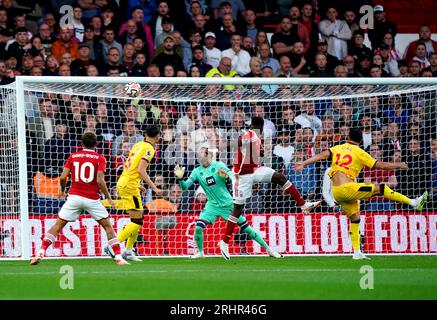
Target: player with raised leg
129	189
247	172
348	160
87	169
212	177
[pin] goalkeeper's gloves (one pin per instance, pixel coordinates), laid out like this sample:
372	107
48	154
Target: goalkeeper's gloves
179	172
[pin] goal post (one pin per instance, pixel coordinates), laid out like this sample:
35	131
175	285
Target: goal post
43	118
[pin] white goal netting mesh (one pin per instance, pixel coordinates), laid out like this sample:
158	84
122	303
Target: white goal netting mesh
398	123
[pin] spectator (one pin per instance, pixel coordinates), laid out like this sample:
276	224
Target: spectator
178	152
336	32
96	48
64	70
357	49
308	118
331	61
414	68
168	56
234	7
328	132
167	29
392	141
425	34
105	124
212	54
113	62
433	63
351	19
298	61
46	37
381	27
283	40
21	46
419	173
225	32
250	26
78	67
108	42
285	69
199	60
266	59
130	133
128	56
397	111
269	129
240	58
390	41
421	56
130	32
349	64
97	25
308	19
38	47
248	45
255	68
365	123
143	30
261	38
65	43
190	122
305	181
390	65
283	148
153	71
139	69
321	69
56	150
376	71
301	30
207	134
76	23
148	8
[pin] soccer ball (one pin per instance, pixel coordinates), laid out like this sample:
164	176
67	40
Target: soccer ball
132	89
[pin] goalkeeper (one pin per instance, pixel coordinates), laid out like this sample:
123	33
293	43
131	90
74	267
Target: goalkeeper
212	176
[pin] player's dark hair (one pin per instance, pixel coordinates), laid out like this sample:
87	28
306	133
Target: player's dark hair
356	135
152	131
89	139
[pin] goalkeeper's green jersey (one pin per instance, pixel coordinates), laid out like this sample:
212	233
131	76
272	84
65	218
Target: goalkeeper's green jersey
214	186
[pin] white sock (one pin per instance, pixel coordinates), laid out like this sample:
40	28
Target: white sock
118	257
128	251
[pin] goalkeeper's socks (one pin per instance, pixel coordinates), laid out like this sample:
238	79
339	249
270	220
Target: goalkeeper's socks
354	232
290	189
47	241
198	236
230	225
396	196
257	237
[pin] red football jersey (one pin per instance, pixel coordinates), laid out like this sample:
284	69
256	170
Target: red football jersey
248	153
84	165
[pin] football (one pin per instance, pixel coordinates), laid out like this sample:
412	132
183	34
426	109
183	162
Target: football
133	89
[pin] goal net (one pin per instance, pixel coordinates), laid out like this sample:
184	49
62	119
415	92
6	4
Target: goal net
302	117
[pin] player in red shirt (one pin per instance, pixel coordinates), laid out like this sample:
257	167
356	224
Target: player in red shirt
248	171
87	169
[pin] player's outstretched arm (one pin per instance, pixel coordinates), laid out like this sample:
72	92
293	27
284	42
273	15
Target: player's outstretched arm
321	156
179	172
390	165
142	167
104	189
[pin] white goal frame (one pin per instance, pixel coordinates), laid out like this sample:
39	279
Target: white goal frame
20	100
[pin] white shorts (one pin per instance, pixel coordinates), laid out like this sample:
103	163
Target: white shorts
74	206
242	185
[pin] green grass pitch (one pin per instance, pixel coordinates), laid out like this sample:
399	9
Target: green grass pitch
257	278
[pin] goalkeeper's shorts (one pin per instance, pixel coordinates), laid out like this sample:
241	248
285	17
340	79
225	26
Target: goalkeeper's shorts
348	195
210	213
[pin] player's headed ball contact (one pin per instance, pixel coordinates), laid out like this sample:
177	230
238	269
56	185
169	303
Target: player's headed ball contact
133	89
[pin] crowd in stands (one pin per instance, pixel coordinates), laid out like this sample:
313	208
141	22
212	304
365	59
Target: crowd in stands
216	38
